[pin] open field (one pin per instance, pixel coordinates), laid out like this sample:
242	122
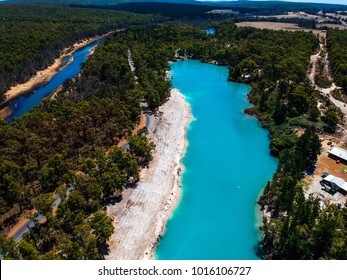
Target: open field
330	25
278	26
269	25
300	15
337	16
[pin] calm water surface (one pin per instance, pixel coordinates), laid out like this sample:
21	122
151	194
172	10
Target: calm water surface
24	103
210	31
227	164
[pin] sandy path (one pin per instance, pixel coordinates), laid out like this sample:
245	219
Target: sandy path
22	220
314	59
325	91
42	77
141	217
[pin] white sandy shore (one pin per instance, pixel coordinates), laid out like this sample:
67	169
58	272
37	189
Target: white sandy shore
141	217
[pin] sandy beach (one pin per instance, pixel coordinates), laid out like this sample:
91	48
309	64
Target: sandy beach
141	216
5	112
43	77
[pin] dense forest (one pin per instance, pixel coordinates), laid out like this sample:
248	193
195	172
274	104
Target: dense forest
70	142
259	7
173	10
67	148
34	35
337	49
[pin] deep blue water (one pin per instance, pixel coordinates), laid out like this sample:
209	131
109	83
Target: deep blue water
227	164
24	103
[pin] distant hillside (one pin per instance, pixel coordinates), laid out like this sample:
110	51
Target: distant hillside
276	7
173	10
244	6
224	3
101	2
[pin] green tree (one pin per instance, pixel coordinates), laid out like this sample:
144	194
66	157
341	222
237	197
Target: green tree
74	251
7	247
280	113
112	181
313	113
44	202
49	179
308	147
76	201
298	100
141	149
331	121
102	226
92	252
27	251
10	182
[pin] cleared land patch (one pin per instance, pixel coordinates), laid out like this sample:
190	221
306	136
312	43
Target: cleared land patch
337	16
331	25
299	15
269	25
278	26
331	166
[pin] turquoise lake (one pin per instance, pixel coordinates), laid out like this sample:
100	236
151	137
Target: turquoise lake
227	164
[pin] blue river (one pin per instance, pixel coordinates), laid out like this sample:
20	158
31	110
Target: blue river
226	166
24	103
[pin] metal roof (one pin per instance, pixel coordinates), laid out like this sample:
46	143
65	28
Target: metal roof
337	181
344	187
339	152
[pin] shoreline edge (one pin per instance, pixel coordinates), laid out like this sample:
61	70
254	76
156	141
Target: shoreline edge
140	218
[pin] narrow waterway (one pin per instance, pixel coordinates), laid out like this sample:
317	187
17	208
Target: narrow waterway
24	103
226	165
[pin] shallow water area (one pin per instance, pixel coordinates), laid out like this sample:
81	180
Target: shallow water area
226	165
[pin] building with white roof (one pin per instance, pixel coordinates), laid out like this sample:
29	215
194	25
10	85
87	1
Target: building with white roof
336	183
338	153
